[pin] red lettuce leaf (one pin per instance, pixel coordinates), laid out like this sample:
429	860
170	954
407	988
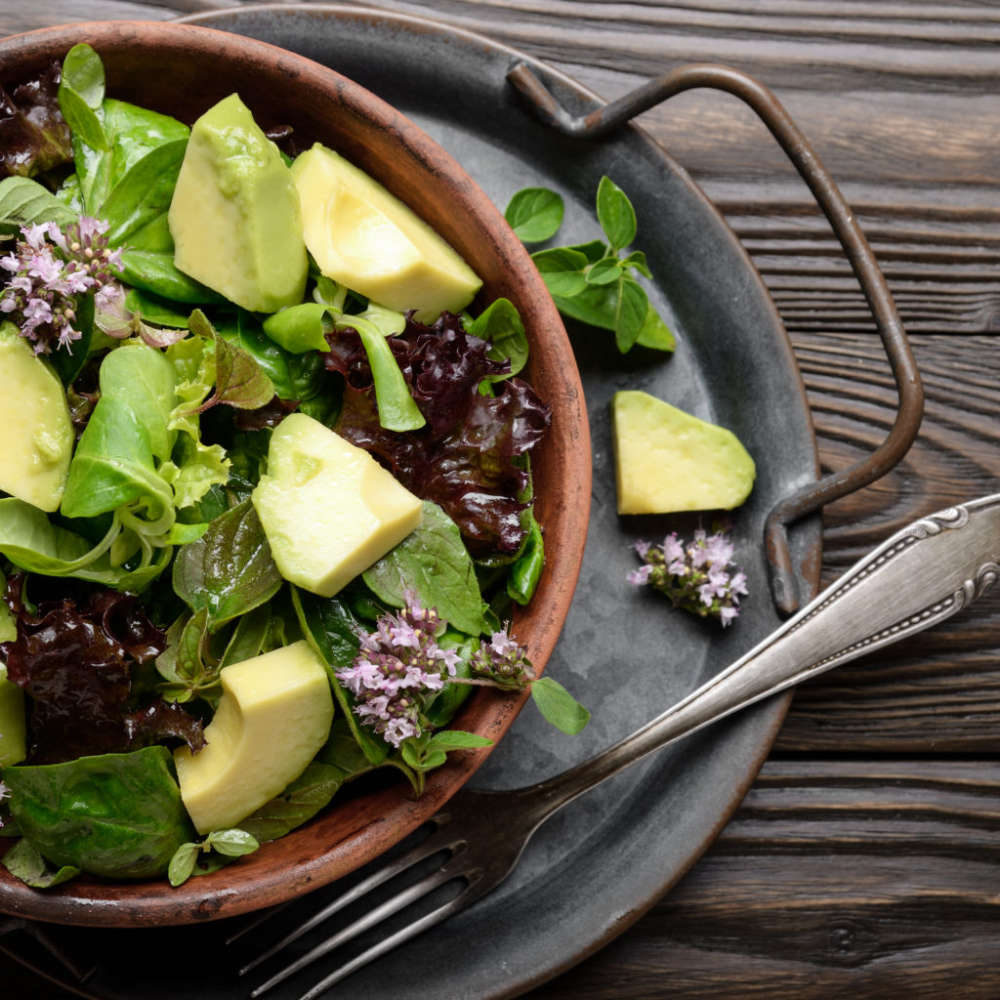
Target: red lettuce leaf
74	658
34	136
469	457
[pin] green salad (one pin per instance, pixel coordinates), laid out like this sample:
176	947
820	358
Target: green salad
265	486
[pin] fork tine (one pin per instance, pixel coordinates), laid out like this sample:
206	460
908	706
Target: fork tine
404	934
420	853
398	902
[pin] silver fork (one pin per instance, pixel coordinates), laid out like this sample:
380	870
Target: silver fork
923	574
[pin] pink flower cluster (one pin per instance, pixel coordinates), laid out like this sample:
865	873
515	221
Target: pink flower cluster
503	661
49	269
698	576
397	665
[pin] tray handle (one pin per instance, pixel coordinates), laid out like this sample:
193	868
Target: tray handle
813	496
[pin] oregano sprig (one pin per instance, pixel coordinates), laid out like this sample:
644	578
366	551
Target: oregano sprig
594	282
233	843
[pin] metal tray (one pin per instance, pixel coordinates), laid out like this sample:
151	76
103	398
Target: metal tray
608	857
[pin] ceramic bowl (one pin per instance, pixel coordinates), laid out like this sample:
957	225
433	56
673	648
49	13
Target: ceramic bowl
182	70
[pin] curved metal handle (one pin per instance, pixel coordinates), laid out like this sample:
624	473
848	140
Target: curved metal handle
770	111
923	574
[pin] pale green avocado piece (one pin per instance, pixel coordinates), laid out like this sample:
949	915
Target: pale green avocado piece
234	217
328	509
274	715
36	433
366	238
13	745
667	460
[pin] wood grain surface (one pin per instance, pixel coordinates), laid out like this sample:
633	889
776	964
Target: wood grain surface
865	862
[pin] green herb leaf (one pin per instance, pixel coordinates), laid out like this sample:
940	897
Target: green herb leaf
234	843
239	381
81	118
114	815
83	71
299	802
637	261
562	270
630	314
229	570
526	571
615	214
330	629
456	739
144	193
155	272
182	864
535	214
25	862
433	562
25	202
604	272
558	706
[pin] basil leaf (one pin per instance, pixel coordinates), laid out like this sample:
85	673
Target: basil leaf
25	862
299	802
25	202
249	636
630	313
81	118
153	309
144	193
330	629
558	706
615	214
562	270
456	739
83	71
155	272
527	569
115	815
500	324
229	570
596	307
433	562
535	214
239	381
243	330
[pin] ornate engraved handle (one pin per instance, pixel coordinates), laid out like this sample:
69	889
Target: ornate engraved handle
920	576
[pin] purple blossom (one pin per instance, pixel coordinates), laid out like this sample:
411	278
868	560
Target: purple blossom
698	576
397	666
400	667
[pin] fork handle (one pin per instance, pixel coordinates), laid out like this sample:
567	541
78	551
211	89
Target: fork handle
923	574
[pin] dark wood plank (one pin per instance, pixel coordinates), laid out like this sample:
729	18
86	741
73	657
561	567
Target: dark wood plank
834	879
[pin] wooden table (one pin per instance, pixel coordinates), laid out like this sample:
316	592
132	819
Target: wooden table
865	862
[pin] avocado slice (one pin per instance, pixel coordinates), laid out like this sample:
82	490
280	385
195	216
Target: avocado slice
274	715
328	509
366	238
35	427
234	216
667	460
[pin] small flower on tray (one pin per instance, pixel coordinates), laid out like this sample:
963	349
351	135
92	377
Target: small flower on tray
698	576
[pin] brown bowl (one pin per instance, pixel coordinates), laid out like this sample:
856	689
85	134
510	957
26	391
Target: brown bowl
182	70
